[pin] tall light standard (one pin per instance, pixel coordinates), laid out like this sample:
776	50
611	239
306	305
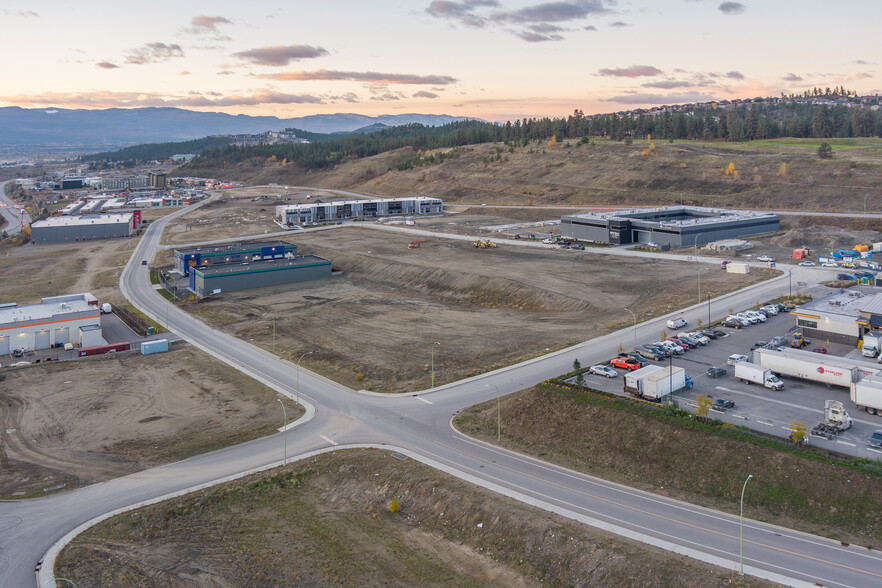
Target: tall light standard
708	311
742	521
433	362
284	431
695	257
498	413
298	374
635	326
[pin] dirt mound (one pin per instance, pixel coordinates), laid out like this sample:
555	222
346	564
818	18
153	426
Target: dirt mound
824	237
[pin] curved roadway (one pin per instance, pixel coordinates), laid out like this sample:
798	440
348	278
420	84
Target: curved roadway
418	424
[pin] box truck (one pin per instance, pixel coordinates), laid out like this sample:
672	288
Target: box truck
870	345
655	382
867	394
750	373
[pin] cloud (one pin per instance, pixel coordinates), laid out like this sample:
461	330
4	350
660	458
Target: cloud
106	65
619	24
590	28
734	75
206	24
368	76
639	98
533	37
225	72
22	13
463	12
184	73
107	99
386	97
424	94
731	8
635	71
154	53
349	97
669	84
551	12
792	77
280	54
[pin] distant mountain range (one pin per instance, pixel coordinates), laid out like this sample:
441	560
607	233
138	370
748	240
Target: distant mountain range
120	127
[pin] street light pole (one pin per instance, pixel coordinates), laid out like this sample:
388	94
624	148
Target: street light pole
708	311
635	326
695	257
498	413
741	537
298	374
274	334
284	431
433	362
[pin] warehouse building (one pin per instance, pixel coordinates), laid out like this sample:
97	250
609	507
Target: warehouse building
320	212
236	253
676	226
265	272
75	318
70	229
842	316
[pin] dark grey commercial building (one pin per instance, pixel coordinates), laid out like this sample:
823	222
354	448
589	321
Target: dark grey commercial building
71	229
265	272
234	253
677	226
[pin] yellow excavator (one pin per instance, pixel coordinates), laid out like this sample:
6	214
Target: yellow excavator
484	244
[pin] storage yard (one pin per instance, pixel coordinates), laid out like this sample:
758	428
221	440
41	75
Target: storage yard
486	307
57	430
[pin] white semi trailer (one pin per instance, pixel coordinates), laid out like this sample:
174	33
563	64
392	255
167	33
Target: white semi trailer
818	367
655	382
867	394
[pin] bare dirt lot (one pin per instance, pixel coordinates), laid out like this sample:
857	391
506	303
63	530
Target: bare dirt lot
374	326
327	522
84	421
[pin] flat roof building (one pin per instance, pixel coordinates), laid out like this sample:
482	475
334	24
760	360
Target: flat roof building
676	226
319	212
842	316
75	318
255	274
71	229
232	254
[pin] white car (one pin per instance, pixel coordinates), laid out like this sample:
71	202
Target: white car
703	339
773	310
745	322
735	358
829	264
673	347
765	258
603	370
758	315
653	245
750	319
548	241
807	263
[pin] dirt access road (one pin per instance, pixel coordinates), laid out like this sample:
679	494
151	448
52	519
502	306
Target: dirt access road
374	326
85	421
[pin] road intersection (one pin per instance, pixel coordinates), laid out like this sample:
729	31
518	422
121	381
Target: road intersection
418	425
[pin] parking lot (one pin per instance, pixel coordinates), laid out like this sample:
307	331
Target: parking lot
758	407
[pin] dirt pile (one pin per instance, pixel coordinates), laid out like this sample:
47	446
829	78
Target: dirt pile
328	522
824	238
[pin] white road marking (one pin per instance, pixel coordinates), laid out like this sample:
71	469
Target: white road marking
332	442
421	399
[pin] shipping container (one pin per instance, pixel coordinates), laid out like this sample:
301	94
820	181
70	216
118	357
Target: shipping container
158	346
738	268
102	349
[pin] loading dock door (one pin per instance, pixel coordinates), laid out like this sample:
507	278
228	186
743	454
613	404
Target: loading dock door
62	336
4	345
642	237
41	339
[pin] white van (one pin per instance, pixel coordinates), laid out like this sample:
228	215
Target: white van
736	358
676	322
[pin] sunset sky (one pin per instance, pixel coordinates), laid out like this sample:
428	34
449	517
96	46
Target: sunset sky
493	59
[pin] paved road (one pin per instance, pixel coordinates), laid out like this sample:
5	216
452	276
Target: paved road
10	211
419	424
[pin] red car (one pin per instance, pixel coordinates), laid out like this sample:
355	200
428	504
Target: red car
626	363
820	350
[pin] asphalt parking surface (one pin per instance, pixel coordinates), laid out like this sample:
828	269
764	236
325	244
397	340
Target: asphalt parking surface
758	407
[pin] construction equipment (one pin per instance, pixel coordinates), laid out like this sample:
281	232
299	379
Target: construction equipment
799	341
484	244
836	420
414	244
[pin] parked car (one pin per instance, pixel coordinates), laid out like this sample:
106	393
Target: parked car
677	342
548	241
625	363
723	404
807	263
732	323
636	357
670	347
751	320
766	258
756	314
664	351
650	353
652	245
829	264
759	344
703	339
770	308
143	262
735	358
603	370
725	264
709	333
678	322
777	341
689	337
692	343
578	246
875	439
845	277
716	372
820	350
